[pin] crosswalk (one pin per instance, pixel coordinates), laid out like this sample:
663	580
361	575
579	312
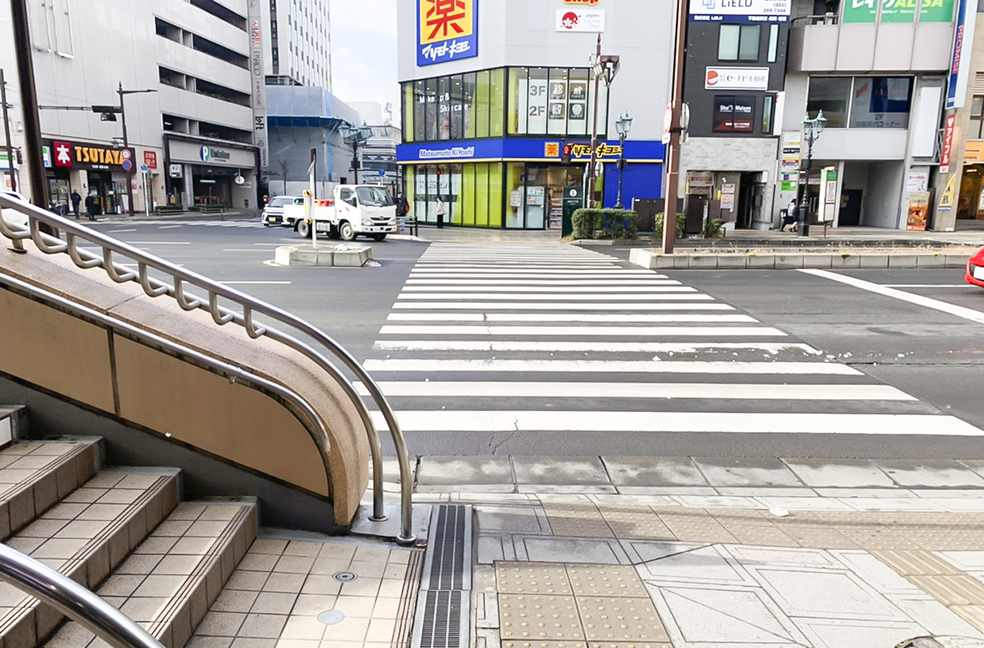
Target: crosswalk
170	224
531	338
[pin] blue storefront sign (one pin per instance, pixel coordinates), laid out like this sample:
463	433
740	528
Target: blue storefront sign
956	94
447	30
526	150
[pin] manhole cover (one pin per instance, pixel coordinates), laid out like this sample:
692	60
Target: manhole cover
345	577
331	617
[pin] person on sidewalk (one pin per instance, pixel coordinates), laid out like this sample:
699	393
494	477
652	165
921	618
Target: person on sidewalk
76	199
442	211
90	206
789	217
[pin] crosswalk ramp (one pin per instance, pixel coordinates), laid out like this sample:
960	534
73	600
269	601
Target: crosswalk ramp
517	338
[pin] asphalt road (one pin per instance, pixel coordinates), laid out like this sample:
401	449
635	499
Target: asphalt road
933	355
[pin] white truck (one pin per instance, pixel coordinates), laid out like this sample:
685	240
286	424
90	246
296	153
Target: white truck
354	210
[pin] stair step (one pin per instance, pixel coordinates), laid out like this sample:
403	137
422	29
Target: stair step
36	474
172	578
85	536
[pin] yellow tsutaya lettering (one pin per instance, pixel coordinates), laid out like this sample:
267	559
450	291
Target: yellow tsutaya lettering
78	153
86	154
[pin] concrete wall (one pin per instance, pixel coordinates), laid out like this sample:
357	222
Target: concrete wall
880	207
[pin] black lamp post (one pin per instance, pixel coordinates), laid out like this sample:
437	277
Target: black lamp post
126	144
811	132
357	136
623	126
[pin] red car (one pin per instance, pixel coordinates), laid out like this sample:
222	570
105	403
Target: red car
975	269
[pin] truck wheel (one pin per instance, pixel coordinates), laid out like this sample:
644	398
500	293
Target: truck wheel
346	231
303	229
379	237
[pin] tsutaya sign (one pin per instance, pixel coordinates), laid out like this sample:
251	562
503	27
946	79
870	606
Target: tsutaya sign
88	156
740	10
447	30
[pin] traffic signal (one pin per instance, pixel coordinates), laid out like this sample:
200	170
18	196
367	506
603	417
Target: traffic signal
566	157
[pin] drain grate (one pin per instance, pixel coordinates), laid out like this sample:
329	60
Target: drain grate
444	603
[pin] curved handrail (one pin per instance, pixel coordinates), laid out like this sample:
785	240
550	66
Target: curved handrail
294	403
71	599
178	277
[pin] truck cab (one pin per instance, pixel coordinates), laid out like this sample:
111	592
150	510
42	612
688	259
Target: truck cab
353	210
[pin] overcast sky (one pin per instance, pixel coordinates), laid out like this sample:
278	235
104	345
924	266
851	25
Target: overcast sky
363	51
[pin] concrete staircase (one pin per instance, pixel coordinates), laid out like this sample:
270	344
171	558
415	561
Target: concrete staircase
122	532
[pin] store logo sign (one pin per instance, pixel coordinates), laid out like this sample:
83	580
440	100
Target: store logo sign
206	154
736	79
590	3
581	20
63	154
447	30
455	152
209	154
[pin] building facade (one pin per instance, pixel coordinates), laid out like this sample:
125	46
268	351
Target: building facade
298	49
492	95
189	122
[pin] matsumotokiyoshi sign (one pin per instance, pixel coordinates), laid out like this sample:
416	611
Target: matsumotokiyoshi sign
728	78
740	10
463	152
447	30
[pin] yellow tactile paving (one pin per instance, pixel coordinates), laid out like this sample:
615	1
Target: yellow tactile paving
539	618
616	619
606	580
579	520
952	589
916	563
637	523
543	644
532	578
972	614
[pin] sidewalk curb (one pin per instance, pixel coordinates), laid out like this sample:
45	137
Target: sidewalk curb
783	261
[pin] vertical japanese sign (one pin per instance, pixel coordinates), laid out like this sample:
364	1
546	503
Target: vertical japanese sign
963	36
947	152
258	83
447	30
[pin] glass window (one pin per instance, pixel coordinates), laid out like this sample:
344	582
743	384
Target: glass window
602	109
495	195
408	101
977	107
468	191
444	110
537	102
454	198
734	114
557	102
420	112
768	108
518	100
739	42
468	105
498	112
482	98
481	216
773	43
832	95
516	196
880	102
430	121
457	114
577	109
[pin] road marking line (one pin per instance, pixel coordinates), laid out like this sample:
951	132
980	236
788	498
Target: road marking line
748	391
565	317
606	366
582	306
501	273
919	300
257	283
680	296
771	348
963	285
587	331
552	289
157	242
707	422
169	227
543	282
245	250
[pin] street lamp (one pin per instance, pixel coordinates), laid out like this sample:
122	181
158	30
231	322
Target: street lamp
605	69
623	126
356	136
811	132
126	144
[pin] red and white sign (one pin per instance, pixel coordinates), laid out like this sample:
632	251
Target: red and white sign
590	3
63	154
581	20
667	124
729	78
951	121
150	159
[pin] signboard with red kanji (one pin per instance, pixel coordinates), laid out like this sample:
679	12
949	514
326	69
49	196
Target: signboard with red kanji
447	30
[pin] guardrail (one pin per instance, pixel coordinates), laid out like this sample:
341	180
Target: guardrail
815	19
248	307
71	599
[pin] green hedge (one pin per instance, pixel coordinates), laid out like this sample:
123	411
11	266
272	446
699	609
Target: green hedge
605	224
681	226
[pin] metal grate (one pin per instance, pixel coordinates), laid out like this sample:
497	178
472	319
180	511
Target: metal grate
444	604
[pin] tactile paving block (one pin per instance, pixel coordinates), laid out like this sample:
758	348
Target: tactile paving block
945	538
763	535
636	524
878	539
916	563
972	614
543	644
532	578
819	537
577	520
690	528
539	618
606	581
951	589
620	620
631	644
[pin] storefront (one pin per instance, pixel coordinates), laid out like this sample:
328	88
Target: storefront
203	173
94	170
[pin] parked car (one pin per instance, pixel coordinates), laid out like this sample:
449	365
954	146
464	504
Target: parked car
273	213
13	217
353	210
975	269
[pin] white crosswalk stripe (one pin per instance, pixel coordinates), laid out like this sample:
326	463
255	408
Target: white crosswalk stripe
526	338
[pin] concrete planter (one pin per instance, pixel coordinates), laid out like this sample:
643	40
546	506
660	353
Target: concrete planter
305	255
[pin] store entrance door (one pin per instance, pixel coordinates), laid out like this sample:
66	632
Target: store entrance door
545	194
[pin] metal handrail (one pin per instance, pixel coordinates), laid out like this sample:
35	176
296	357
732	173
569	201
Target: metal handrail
816	19
179	277
294	403
71	599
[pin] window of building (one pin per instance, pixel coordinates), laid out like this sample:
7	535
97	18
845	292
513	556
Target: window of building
430	117
457	108
768	113
773	43
832	95
977	117
444	108
734	114
861	102
739	42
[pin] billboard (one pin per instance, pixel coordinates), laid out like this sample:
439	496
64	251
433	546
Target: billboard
447	30
963	38
258	83
738	11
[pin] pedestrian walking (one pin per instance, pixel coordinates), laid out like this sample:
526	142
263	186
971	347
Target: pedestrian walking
789	218
442	211
76	199
90	206
402	209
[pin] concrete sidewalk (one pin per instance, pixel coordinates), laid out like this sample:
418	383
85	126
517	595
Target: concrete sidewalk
718	553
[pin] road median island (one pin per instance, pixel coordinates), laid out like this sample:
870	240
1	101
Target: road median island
835	258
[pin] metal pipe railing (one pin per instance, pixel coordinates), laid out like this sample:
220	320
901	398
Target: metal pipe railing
71	599
249	305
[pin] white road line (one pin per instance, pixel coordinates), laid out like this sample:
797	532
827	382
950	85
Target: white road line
605	366
919	300
257	283
553	289
707	422
771	348
452	273
543	282
667	296
581	306
158	242
587	331
169	227
566	317
653	391
508	267
963	285
246	250
122	231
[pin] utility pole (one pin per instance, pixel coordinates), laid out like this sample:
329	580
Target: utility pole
676	129
6	132
126	145
594	129
29	103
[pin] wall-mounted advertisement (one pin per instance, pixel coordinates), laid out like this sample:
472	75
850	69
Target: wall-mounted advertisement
936	11
447	30
258	84
898	11
581	20
739	11
734	114
729	78
960	63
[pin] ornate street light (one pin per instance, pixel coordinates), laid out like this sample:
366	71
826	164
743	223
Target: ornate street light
356	136
623	126
811	132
